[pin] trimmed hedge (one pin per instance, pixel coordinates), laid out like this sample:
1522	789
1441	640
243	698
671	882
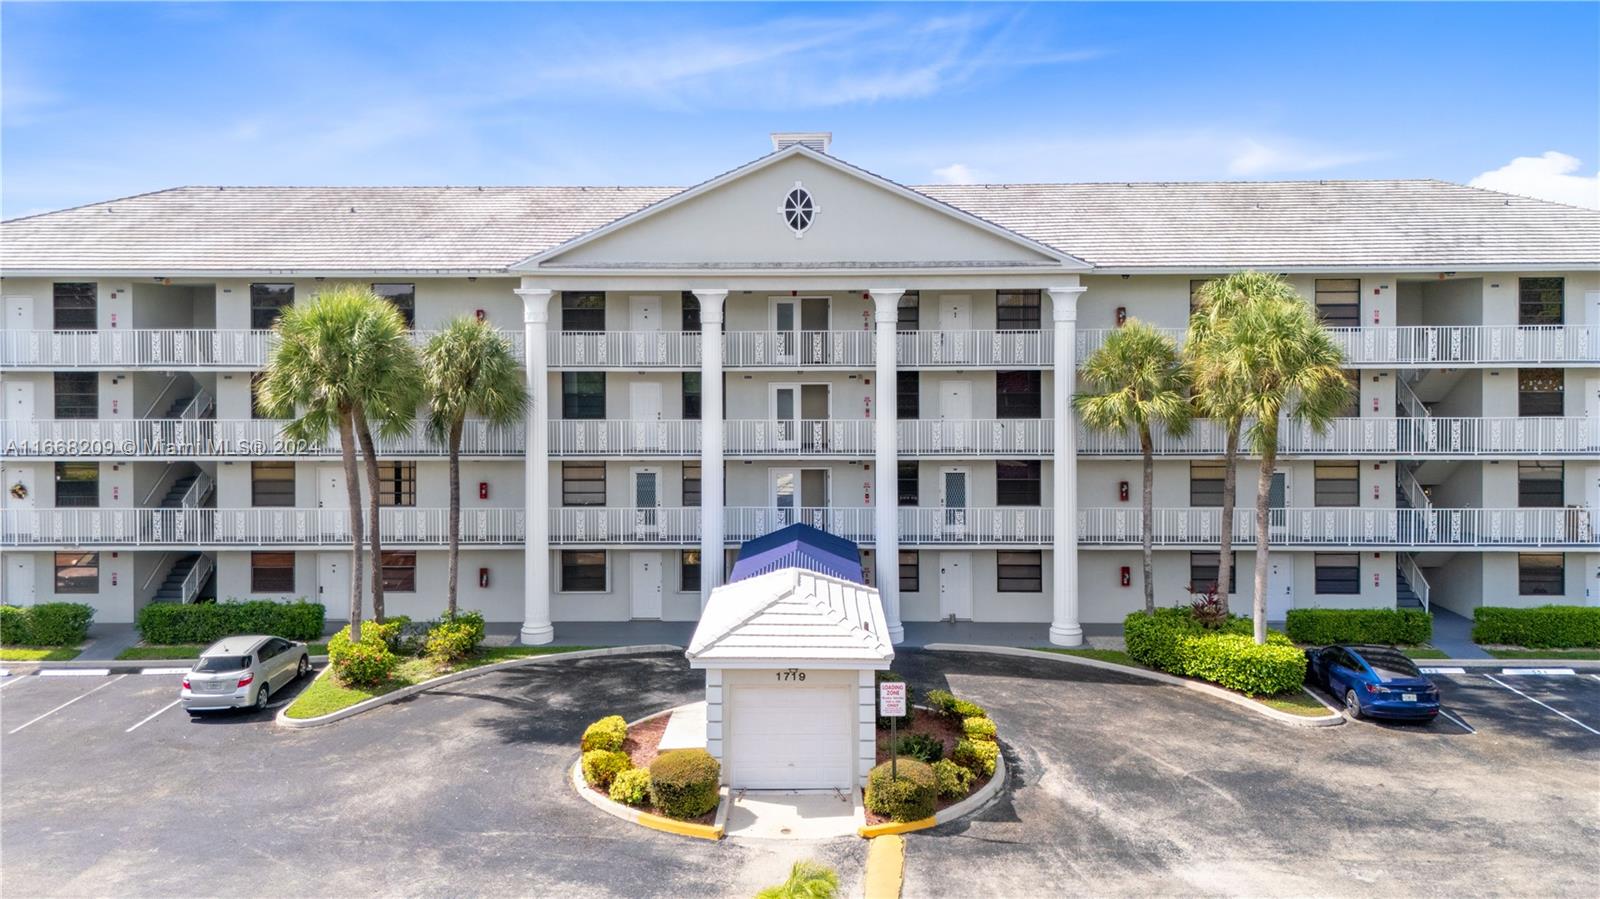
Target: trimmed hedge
979	728
1172	640
601	767
685	783
631	786
609	732
1395	626
45	624
1542	627
364	664
954	780
165	622
980	757
922	747
908	796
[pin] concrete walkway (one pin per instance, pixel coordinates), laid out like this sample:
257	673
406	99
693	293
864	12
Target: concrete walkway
107	641
1452	633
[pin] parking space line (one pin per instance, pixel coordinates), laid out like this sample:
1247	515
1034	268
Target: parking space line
163	671
1458	722
1550	707
72	700
75	672
153	716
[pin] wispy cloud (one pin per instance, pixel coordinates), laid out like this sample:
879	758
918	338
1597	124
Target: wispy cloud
1549	176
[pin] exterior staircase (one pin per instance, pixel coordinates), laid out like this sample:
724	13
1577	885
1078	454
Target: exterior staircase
1404	596
180	487
173	588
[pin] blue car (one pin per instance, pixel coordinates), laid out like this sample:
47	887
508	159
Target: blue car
1373	681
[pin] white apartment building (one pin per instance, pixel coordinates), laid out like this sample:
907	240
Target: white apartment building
801	340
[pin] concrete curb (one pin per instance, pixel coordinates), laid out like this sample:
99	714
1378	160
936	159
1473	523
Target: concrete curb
1158	676
120	666
713	831
284	720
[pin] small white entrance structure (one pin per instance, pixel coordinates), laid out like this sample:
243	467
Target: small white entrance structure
789	658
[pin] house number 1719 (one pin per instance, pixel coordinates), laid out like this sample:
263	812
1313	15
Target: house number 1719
791	674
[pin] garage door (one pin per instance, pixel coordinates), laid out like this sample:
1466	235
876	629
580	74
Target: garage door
790	738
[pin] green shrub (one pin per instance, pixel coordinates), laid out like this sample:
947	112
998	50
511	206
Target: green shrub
941	701
964	710
601	766
1543	627
609	732
891	677
977	756
1172	640
1405	627
631	787
165	622
472	619
906	797
450	641
954	780
364	664
684	783
45	624
807	880
978	728
922	747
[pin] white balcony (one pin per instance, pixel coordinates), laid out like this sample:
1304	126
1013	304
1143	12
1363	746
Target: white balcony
610	437
1443	346
226	438
1400	437
1344	527
845	437
976	349
624	349
799	349
1009	437
248	527
132	348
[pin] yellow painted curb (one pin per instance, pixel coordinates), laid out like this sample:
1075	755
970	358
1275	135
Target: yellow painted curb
886	867
682	828
882	830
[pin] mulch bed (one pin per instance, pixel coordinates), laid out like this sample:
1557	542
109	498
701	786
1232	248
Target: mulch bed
642	746
924	721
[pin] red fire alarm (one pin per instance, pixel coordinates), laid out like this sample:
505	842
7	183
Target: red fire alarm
483	577
480	314
1122	490
483	490
1122	315
1127	576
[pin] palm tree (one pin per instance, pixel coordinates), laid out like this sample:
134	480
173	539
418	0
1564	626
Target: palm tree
1137	380
468	368
320	358
1218	392
1290	363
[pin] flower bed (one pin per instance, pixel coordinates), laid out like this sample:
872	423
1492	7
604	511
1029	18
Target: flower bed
948	731
642	746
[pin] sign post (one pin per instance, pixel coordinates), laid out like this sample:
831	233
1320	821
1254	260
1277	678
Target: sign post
892	705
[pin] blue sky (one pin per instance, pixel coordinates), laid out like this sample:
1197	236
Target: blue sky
99	101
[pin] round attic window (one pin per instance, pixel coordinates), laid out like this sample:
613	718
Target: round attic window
798	209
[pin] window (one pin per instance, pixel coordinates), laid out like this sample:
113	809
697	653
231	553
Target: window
908	394
909	486
691	485
583	395
1539	300
689	571
1338	302
403	297
1205	484
583	483
691	313
584	570
77	485
1352	400
1540	485
1539	391
256	409
1016	310
583	310
400	572
1205	571
1019	572
1338	573
272	484
267	302
1018	394
76	306
397	483
691	395
1538	574
1338	484
909	311
1194	293
910	571
272	572
798	209
1017	482
77	394
77	572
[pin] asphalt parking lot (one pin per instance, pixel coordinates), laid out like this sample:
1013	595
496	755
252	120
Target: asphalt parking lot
1120	786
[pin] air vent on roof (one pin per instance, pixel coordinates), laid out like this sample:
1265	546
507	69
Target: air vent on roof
813	140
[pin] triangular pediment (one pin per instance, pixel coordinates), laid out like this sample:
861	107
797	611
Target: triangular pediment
737	221
789	615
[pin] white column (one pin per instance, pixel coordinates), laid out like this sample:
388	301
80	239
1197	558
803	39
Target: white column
713	537
536	627
1065	629
885	455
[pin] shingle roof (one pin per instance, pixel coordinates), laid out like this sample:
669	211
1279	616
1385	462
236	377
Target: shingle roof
1191	226
789	616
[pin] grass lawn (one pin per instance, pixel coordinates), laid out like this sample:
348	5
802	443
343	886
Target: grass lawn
326	695
39	653
144	652
1578	655
1115	656
1294	704
1424	652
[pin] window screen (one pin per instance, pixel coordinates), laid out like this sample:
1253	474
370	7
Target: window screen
400	572
1338	484
691	485
1338	573
908	484
267	302
1017	310
584	570
583	395
1205	484
1017	482
397	483
690	320
910	571
272	572
1019	572
691	395
1541	574
583	310
908	394
1017	394
76	305
1338	302
77	572
77	485
1539	391
403	297
272	484
583	483
1540	485
1205	571
77	394
689	571
909	312
1539	300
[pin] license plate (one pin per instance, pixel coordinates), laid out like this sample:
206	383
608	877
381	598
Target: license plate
1408	697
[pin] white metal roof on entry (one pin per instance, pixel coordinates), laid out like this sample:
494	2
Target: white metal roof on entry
791	617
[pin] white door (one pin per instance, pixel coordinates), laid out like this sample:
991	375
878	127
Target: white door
18	579
19	313
786	329
1280	585
1278	499
646	501
19	475
955	414
955	586
786	416
644	406
19	400
1591	398
645	575
785	496
644	314
790	736
955	325
954	497
333	583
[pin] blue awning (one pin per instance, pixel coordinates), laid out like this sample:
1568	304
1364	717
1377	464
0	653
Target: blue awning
799	546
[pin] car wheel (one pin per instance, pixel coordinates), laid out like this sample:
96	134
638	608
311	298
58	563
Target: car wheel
1352	704
262	695
303	668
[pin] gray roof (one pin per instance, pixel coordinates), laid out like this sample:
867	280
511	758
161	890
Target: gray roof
1181	226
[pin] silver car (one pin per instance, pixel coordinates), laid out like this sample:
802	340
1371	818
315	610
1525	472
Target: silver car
242	672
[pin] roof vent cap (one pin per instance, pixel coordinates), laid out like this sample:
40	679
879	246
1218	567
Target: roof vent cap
813	140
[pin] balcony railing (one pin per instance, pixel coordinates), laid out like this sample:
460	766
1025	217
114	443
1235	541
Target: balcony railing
611	437
976	349
624	349
189	348
225	438
977	437
1389	437
1439	345
247	527
801	437
1572	527
799	349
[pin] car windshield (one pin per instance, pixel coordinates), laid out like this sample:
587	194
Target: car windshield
223	663
1388	663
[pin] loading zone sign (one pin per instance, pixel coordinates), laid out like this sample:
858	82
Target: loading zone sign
892	699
